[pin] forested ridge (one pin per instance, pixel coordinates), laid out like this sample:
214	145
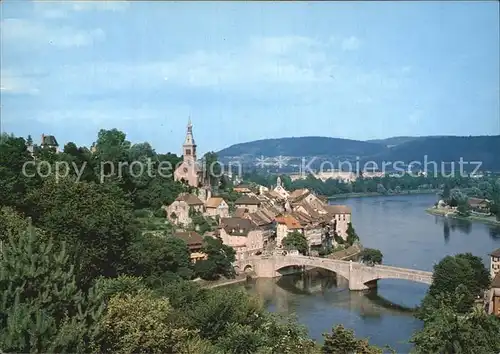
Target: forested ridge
441	149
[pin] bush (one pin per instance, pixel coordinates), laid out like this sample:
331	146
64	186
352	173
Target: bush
159	213
371	256
142	213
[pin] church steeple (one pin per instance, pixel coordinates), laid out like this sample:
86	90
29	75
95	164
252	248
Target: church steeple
189	146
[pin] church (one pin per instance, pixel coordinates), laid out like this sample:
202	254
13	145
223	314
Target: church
189	170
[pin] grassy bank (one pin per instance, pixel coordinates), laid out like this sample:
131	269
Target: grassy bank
221	282
491	220
376	194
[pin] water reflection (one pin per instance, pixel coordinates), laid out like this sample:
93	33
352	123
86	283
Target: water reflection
446	231
495	233
287	293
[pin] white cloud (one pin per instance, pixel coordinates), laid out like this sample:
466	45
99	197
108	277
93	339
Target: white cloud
282	45
97	115
108	114
28	34
102	5
269	61
302	70
17	84
351	43
63	9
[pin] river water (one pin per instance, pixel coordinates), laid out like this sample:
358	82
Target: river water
408	237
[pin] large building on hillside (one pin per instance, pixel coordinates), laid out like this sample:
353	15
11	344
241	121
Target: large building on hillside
493	300
189	171
178	213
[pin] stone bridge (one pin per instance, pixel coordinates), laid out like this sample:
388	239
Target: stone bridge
360	276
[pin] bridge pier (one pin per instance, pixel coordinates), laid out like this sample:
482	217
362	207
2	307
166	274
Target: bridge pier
356	280
357	285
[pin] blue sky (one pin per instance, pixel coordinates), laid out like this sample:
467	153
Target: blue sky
246	71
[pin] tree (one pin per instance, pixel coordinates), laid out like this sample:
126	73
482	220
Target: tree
212	169
352	236
140	323
154	256
448	331
11	223
81	162
122	285
215	310
371	256
14	174
200	223
456	198
464	270
463	208
41	307
381	189
94	219
206	269
343	341
283	335
219	260
240	339
445	194
296	240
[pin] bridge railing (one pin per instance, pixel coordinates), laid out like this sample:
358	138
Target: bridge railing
338	261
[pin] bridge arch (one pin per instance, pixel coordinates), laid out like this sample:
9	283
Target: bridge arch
338	269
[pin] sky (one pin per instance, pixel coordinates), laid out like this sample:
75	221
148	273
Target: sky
248	70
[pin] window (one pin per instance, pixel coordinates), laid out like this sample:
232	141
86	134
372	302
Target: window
188	152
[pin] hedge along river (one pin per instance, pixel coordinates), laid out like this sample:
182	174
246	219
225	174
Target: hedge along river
408	237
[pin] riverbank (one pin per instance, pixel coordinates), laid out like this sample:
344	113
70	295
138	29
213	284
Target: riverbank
376	194
221	282
490	220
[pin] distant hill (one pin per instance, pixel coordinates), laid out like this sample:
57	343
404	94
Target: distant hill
397	140
406	149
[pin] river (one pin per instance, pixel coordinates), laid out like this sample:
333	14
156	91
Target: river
408	237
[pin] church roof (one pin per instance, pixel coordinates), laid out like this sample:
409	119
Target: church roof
189	134
289	221
247	200
214	202
495	253
237	226
49	140
240	212
309	209
192	238
298	194
337	209
260	218
190	199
